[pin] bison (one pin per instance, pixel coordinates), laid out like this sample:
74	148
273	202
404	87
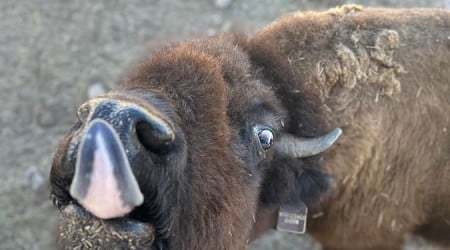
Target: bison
383	76
202	142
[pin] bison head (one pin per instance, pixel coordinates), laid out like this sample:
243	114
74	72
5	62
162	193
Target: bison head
175	156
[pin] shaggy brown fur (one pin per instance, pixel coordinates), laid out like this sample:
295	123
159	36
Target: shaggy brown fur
383	77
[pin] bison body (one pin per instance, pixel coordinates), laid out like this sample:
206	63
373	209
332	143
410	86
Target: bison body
383	76
202	141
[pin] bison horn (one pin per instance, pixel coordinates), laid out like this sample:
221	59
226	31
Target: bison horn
302	147
104	183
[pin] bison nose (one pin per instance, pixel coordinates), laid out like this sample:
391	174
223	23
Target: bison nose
136	124
115	130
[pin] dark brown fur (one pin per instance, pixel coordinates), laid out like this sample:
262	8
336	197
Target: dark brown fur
391	167
193	80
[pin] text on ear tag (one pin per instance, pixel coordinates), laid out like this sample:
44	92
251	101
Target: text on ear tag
292	218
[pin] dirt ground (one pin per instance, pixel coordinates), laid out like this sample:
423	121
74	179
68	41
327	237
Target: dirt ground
55	53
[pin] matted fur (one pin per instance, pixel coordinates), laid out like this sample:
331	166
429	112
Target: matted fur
383	76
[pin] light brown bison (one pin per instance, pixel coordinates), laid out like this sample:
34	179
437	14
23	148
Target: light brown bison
204	134
383	76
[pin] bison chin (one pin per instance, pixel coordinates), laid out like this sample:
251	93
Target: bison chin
78	229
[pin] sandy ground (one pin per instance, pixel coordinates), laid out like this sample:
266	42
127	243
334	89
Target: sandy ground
52	53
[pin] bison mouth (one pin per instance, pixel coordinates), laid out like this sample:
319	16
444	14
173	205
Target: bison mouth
79	229
98	218
101	183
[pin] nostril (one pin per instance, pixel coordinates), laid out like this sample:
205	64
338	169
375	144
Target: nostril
154	137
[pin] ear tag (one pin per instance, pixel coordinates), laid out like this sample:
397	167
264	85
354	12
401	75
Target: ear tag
292	219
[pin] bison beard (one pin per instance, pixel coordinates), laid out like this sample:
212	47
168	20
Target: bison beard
196	121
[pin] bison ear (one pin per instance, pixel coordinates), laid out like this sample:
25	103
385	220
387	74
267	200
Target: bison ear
291	190
299	147
290	181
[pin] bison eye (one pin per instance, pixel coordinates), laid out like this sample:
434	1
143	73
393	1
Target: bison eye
265	135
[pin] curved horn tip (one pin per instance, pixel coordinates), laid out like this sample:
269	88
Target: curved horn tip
335	134
299	147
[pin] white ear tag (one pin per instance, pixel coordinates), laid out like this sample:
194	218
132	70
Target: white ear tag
292	219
